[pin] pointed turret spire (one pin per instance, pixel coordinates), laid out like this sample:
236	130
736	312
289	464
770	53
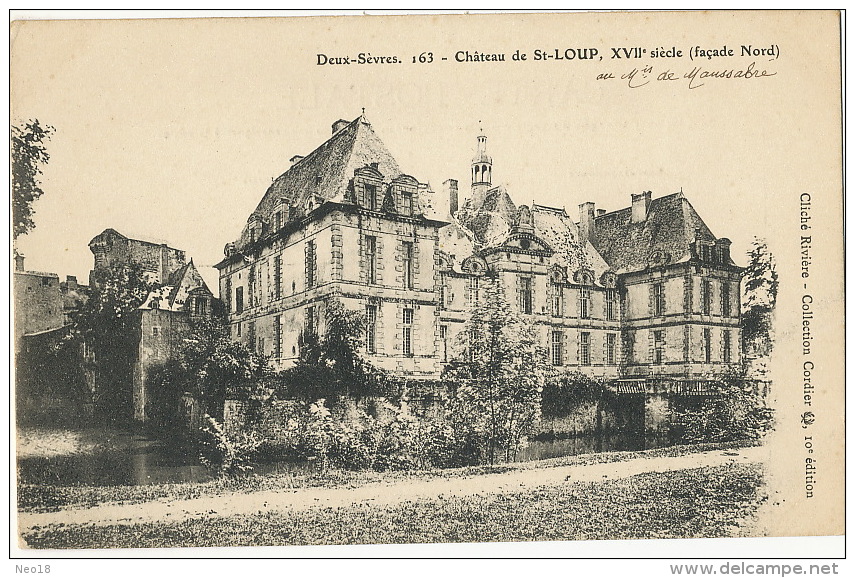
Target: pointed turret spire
482	164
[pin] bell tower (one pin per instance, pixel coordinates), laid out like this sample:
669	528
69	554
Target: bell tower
482	166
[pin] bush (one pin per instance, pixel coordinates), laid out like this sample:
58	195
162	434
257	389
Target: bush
736	412
227	454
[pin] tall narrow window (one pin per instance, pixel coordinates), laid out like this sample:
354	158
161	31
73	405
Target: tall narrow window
725	299
407	255
371	258
311	328
658	299
473	294
250	290
227	293
239	299
443	291
311	264
443	342
525	295
706	296
277	336
407	336
659	346
371	197
277	276
628	348
557	348
406	203
557	300
707	346
584	303
725	347
585	348
200	306
611	304
371	329
277	220
611	343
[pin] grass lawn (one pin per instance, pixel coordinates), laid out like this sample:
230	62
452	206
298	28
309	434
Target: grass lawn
46	498
704	502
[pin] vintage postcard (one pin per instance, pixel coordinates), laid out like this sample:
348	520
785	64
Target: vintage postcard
535	280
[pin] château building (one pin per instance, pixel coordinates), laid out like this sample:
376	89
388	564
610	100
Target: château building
644	291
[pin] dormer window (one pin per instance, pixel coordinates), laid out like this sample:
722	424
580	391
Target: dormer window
407	203
371	197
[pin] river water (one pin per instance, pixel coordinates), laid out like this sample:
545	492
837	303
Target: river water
110	457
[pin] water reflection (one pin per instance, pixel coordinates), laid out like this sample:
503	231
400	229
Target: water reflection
125	459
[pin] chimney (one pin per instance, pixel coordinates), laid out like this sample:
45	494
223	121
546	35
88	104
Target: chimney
296	159
71	282
451	186
587	229
339	124
601	212
640	206
724	250
19	262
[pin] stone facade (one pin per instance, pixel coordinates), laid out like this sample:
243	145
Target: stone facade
645	291
164	319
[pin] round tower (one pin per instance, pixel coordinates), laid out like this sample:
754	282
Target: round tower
482	164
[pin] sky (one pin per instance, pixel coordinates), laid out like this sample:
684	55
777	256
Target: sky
172	130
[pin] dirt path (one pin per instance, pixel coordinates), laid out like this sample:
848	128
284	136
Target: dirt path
377	494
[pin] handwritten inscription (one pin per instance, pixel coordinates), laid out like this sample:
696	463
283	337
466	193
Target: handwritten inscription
697	77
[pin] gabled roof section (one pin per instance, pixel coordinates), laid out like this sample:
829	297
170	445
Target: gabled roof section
173	295
326	171
491	217
556	228
671	226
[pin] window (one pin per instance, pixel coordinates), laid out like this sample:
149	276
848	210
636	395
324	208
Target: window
407	256
238	328
585	348
443	342
250	292
277	277
371	329
658	299
407	336
155	331
277	336
611	342
473	293
250	335
311	328
406	203
371	258
725	346
725	299
705	252
707	346
628	347
557	300
260	347
227	293
525	295
238	299
584	303
659	346
277	220
311	264
200	306
371	197
611	304
557	348
706	296
443	291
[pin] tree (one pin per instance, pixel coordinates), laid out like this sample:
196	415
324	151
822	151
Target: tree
29	154
758	301
107	323
498	379
214	368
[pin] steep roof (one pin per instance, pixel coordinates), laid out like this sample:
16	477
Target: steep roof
326	171
173	295
559	231
490	217
664	236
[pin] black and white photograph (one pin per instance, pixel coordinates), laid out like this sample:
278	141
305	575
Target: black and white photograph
527	285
